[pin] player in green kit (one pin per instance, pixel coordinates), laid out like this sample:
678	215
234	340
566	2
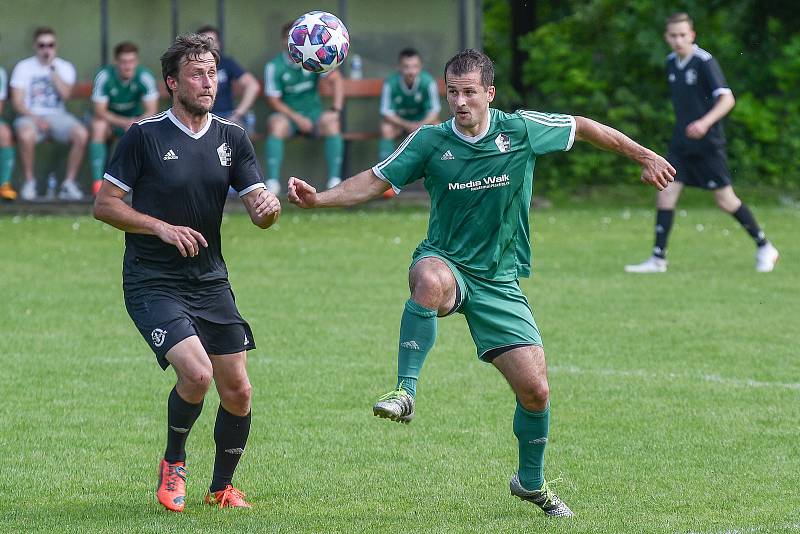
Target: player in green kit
293	93
478	169
409	99
122	93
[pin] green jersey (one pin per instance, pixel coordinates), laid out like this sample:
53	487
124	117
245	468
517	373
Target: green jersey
293	84
410	103
124	97
480	187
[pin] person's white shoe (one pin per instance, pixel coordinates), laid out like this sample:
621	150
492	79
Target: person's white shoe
766	258
333	182
70	191
650	265
273	186
28	191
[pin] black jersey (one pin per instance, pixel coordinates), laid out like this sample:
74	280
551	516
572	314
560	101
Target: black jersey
182	178
695	83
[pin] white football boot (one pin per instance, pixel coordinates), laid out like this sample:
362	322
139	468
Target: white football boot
652	264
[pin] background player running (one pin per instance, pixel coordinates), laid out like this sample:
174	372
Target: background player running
701	98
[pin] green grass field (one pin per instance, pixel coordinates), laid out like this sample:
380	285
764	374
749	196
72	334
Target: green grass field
676	398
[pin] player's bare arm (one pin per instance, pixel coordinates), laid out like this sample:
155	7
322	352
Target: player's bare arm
250	89
101	110
698	129
64	89
355	190
111	209
304	124
263	207
656	171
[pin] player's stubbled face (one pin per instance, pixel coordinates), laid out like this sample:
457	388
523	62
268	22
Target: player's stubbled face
680	37
469	101
197	84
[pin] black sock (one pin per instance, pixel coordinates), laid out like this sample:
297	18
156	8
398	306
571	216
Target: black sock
181	415
663	226
230	435
748	222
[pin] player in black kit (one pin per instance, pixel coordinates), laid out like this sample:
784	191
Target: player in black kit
701	98
179	166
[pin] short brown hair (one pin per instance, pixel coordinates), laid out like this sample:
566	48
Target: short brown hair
125	47
681	16
43	30
469	60
186	47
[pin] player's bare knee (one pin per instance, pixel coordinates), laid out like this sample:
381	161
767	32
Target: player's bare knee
428	286
236	398
99	131
78	135
727	200
278	126
26	135
534	395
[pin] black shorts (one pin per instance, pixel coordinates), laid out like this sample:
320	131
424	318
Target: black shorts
165	318
706	170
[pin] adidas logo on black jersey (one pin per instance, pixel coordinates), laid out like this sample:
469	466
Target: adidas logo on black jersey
170	155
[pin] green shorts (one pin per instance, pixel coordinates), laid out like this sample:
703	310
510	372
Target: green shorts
497	313
314	115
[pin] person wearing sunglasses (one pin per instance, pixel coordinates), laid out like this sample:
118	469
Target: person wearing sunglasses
39	87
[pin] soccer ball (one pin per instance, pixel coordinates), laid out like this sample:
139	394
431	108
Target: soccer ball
318	41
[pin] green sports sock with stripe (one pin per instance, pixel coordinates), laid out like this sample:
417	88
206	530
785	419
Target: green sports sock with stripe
417	336
97	159
334	153
385	149
273	155
531	429
7	154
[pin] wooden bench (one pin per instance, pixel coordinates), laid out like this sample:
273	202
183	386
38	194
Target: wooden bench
363	88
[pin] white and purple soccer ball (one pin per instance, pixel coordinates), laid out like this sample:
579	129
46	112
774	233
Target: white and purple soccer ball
318	41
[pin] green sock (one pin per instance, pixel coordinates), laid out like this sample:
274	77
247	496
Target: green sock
334	151
273	154
531	430
385	149
417	335
6	163
97	159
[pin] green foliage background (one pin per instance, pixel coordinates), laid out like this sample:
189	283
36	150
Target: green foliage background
604	59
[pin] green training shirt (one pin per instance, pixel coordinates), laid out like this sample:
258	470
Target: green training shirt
410	103
124	97
293	84
480	187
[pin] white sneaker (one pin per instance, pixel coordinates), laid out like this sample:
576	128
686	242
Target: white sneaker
28	191
766	258
650	265
333	182
70	191
273	186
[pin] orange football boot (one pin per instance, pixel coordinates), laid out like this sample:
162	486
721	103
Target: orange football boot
7	192
171	491
229	497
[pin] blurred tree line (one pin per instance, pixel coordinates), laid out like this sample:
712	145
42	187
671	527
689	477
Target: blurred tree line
605	59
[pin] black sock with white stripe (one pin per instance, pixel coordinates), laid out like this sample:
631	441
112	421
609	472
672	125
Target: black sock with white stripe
181	415
230	434
664	220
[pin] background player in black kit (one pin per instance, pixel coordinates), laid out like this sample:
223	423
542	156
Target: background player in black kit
179	165
701	98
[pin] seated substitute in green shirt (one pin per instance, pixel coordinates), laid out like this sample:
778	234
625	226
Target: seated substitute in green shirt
478	169
122	94
292	92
